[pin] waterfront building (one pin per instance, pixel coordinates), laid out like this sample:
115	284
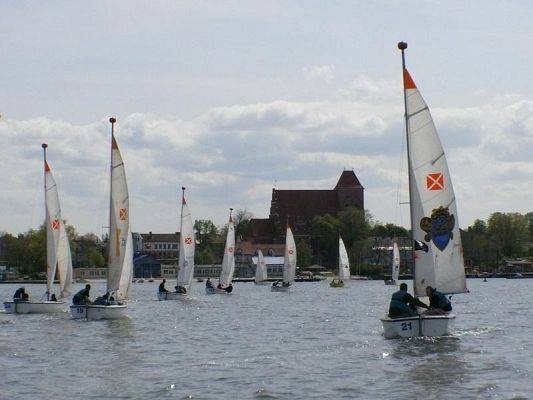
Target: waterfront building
146	266
163	247
90	273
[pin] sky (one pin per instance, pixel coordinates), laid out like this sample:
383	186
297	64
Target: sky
231	99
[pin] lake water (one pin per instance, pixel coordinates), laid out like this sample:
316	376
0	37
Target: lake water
314	343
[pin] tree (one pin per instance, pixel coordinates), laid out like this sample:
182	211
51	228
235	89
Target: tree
241	219
204	257
206	232
389	231
304	254
508	231
325	230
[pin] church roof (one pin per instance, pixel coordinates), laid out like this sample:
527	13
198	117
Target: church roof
348	180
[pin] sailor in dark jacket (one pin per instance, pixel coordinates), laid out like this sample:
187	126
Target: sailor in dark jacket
20	294
402	304
438	301
162	288
82	297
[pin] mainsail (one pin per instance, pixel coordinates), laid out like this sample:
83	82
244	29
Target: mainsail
261	269
432	201
187	242
395	262
120	257
289	265
228	262
344	263
58	257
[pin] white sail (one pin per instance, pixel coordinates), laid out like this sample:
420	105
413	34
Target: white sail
261	269
344	263
289	265
228	262
433	207
395	262
187	242
120	259
58	258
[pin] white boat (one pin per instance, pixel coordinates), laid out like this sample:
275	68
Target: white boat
395	265
436	238
260	270
344	262
289	264
120	257
228	263
58	257
186	255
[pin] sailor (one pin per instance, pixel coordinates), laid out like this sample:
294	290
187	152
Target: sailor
82	297
286	284
208	283
20	294
229	289
53	297
275	283
102	300
180	289
438	302
162	287
219	286
402	304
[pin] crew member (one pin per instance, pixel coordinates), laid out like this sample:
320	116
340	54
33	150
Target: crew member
402	304
162	287
82	297
438	302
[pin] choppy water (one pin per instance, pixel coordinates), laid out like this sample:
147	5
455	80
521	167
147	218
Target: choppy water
314	343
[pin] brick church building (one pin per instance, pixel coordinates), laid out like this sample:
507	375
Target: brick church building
299	207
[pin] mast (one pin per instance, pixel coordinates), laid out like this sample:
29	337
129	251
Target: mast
403	46
112	120
47	222
182	247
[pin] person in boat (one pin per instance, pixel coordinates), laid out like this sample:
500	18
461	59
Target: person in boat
402	304
229	289
162	288
219	286
438	302
21	295
286	284
275	283
208	283
82	297
53	297
102	300
181	289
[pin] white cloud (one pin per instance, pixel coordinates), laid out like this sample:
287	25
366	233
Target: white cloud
324	73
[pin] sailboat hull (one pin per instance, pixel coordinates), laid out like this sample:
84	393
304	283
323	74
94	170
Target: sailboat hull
279	288
209	290
162	296
262	283
96	312
33	307
390	282
336	285
423	325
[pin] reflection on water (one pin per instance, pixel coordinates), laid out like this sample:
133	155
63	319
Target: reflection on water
314	343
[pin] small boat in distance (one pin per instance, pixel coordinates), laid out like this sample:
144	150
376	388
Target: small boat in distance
260	270
58	256
395	265
437	250
186	255
289	264
344	267
120	256
228	263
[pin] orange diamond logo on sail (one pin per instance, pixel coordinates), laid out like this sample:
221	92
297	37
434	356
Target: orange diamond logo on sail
188	240
435	181
123	214
55	224
291	251
230	249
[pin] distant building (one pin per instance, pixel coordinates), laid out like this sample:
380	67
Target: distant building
299	207
146	266
163	247
90	273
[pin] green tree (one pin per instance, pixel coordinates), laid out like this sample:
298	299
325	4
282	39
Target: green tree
325	231
206	232
241	219
508	232
304	254
204	257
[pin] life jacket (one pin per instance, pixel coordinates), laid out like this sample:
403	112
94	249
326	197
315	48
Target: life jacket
442	301
399	301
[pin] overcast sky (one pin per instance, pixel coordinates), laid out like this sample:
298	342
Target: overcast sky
232	98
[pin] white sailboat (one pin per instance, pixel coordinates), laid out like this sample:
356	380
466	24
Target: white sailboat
58	257
289	264
120	257
186	255
260	270
344	266
395	265
436	238
228	263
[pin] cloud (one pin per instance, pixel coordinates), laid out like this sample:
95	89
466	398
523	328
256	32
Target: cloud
232	157
325	73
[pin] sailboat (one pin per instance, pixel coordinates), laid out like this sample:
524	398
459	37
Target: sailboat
289	265
437	250
228	263
260	270
120	256
395	265
58	257
186	255
344	266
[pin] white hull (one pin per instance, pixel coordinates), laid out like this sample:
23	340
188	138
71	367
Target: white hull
390	282
94	312
162	296
215	291
262	283
279	288
423	325
33	307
